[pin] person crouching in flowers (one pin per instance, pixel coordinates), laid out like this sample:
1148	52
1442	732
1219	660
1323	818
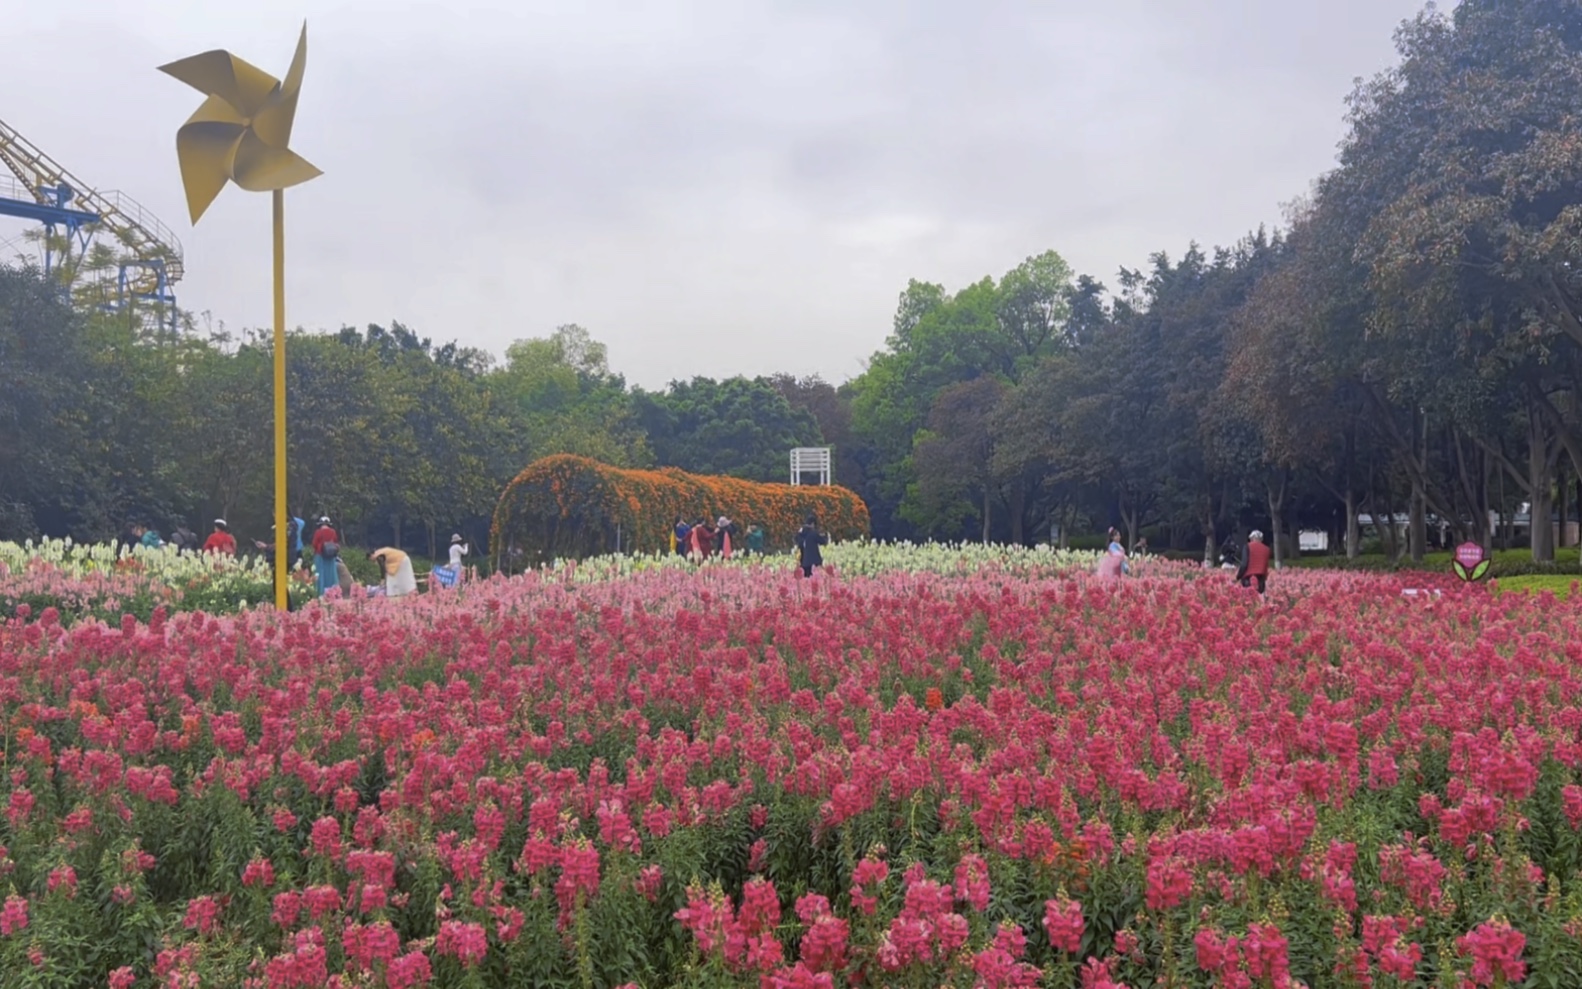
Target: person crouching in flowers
396	569
343	575
1113	563
267	550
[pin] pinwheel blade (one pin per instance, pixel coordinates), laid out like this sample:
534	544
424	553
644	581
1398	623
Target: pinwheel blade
219	73
206	151
216	110
273	122
299	63
259	167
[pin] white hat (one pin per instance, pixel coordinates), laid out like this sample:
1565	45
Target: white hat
324	520
723	521
1255	534
455	537
219	521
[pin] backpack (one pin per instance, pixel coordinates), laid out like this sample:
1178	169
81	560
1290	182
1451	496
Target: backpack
331	550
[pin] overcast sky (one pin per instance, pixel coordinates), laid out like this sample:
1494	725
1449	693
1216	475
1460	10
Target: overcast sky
720	186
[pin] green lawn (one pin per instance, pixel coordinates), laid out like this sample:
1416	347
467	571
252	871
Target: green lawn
1510	562
1560	585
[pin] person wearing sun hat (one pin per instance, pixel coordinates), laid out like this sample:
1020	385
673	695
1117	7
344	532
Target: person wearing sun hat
220	540
449	575
1254	562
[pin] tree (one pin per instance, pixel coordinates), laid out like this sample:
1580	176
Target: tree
1463	164
1001	328
564	399
230	408
738	427
41	421
831	410
955	456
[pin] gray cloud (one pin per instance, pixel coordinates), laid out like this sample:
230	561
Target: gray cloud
750	179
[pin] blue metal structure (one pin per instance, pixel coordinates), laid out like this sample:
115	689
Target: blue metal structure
47	205
147	254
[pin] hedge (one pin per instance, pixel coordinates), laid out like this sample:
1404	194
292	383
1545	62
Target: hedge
570	507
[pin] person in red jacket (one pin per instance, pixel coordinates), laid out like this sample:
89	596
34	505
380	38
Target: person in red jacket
1254	562
220	540
324	534
326	549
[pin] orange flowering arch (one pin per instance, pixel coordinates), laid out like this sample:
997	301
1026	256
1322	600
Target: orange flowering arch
571	507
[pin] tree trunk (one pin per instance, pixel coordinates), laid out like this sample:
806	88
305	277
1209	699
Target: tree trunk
1129	521
1353	530
1472	471
1540	464
1276	492
1018	511
1417	523
1561	483
1506	522
1417	507
987	495
1387	530
1210	540
1480	515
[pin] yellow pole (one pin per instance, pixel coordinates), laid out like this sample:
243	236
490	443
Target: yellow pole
282	542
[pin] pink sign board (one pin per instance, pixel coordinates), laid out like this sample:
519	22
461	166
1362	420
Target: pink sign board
1469	562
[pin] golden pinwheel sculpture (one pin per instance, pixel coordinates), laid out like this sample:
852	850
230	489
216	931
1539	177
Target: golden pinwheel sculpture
240	134
241	131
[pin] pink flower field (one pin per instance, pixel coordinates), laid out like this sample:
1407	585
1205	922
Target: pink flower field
736	778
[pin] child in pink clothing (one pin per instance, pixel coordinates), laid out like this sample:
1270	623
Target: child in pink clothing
1112	564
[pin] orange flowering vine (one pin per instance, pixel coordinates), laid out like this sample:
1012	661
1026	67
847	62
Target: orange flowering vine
571	507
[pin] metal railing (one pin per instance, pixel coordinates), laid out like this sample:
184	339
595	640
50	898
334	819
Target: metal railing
137	229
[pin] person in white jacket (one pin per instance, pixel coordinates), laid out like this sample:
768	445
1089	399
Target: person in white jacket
450	575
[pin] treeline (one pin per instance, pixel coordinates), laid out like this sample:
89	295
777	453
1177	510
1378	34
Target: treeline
398	440
1408	346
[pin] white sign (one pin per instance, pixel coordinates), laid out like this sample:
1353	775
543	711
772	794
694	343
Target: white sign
810	460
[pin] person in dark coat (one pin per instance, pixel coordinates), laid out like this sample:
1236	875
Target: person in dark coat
809	543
